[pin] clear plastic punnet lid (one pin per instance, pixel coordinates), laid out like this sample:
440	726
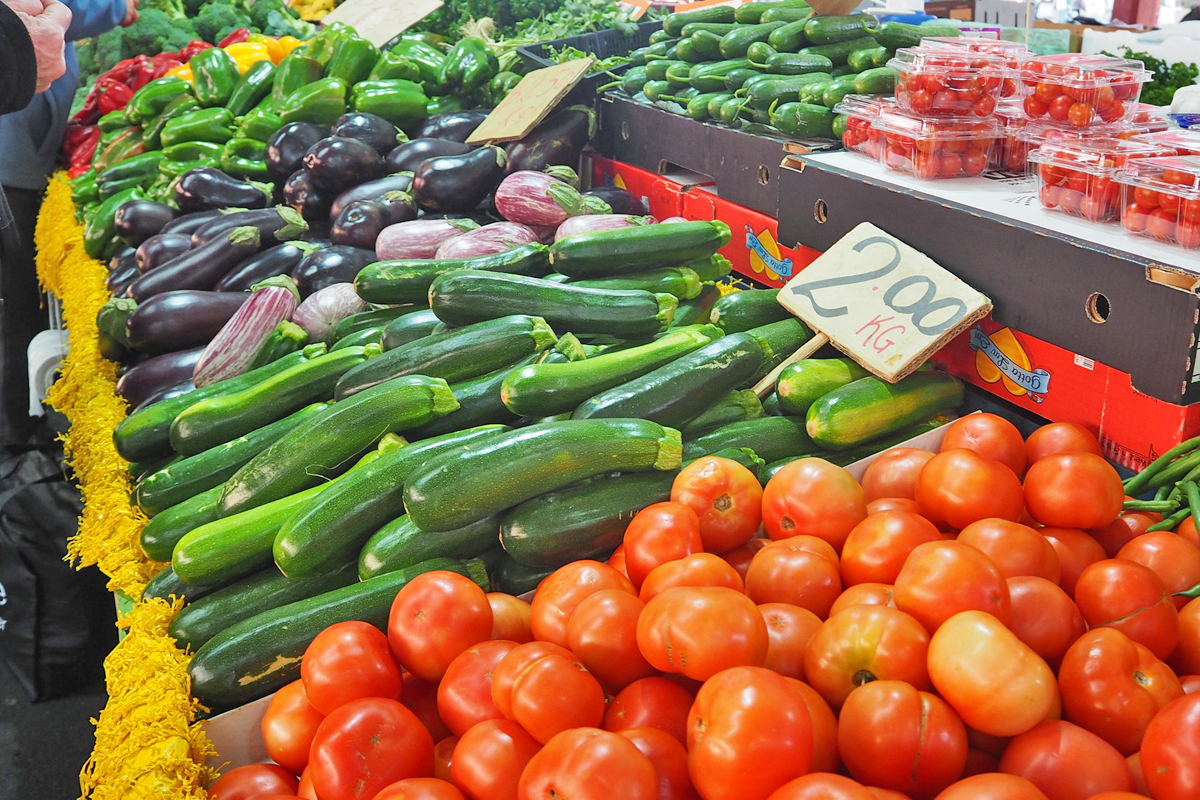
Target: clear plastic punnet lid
977	44
899	122
863	106
1093	154
1185	142
1149	119
1175	175
1082	71
950	62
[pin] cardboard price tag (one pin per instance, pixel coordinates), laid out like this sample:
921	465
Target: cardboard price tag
529	103
634	9
378	21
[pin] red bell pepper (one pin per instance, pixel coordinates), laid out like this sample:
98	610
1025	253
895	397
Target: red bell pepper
113	95
141	72
193	47
81	158
165	62
76	134
240	35
89	112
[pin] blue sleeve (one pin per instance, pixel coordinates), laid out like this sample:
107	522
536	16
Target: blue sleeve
93	17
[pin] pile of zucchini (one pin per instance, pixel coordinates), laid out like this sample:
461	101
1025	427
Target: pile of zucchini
772	66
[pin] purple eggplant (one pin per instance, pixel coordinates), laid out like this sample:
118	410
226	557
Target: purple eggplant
157	374
620	200
558	140
336	264
494	238
370	128
160	249
168	393
360	223
204	188
454	125
189	223
286	148
300	194
278	260
419	238
408	156
119	280
336	163
178	320
600	222
372	190
200	267
542	199
138	220
275	225
458	183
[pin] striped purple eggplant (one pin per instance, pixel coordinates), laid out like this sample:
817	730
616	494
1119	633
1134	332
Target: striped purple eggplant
418	238
600	222
543	199
495	238
233	349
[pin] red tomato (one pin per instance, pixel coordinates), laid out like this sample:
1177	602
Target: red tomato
699	631
589	764
435	617
1131	598
1043	617
288	727
1186	658
811	496
348	661
894	473
740	557
940	579
1113	686
992	786
726	497
512	665
958	487
789	571
1190	684
670	761
886	794
789	628
893	504
420	789
366	745
864	594
1073	490
1066	762
1060	108
253	782
1081	114
698	569
650	703
1145	197
1187	233
825	728
510	618
617	560
992	437
1124	529
822	786
553	694
564	589
603	635
1133	217
306	791
443	755
894	736
490	757
1175	560
1160	224
1094	208
1060	437
994	681
865	643
1076	551
1187	529
875	551
979	762
657	534
1014	548
749	733
1171	751
420	697
464	696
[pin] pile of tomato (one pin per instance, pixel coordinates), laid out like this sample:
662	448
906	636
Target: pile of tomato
1007	56
1162	200
1080	177
944	83
936	148
980	623
1081	90
861	135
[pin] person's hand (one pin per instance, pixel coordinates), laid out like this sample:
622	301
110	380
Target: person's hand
131	13
47	22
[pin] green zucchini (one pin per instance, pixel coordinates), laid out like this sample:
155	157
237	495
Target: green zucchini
409	328
140	469
789	38
400	544
803	383
751	13
710	269
838	52
360	338
877	80
673	23
698	309
779	340
455	355
203	619
737	406
771	438
803	120
682	282
259	655
407	280
894	35
599	254
511	576
479	400
735	43
863	60
546	389
375	318
166	584
835	92
797	64
741	311
510	468
332	527
301	458
163	532
872	446
770	405
871	407
822	29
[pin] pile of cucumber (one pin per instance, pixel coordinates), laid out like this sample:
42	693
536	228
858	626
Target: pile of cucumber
771	66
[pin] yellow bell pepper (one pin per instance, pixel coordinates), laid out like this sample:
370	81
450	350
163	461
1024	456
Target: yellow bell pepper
184	72
247	54
279	48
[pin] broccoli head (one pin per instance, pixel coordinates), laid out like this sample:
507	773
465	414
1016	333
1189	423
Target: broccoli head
108	49
217	19
192	7
149	35
275	18
172	8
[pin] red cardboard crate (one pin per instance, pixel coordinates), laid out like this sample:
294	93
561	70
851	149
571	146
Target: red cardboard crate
662	195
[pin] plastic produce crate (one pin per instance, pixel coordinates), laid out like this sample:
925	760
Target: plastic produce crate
601	44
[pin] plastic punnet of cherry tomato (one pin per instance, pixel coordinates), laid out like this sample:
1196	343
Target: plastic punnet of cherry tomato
1080	177
861	111
939	82
931	147
1012	54
1161	199
1184	142
983	622
1079	91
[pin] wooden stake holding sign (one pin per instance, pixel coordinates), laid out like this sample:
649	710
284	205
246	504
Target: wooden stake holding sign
879	301
379	21
528	104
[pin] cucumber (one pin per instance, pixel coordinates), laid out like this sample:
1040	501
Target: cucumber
823	29
789	38
803	383
511	576
838	52
658	36
737	406
698	309
376	318
752	12
409	328
580	521
760	54
687	51
871	407
211	468
894	35
678	392
163	532
203	619
730	110
813	93
455	355
877	80
839	125
656	90
735	43
360	339
261	654
863	60
719	28
797	64
400	544
741	311
633	80
545	389
779	340
678	75
601	254
713	77
771	438
697	107
804	120
787	15
715	101
706	44
836	91
166	584
881	56
479	401
407	280
331	528
145	433
510	468
468	296
842	70
673	23
735	80
341	432
657	70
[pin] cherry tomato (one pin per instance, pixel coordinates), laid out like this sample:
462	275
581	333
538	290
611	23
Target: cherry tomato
996	683
949	165
1175	560
589	764
1060	437
865	643
789	571
825	728
253	782
489	758
1070	200
464	696
564	589
789	628
920	101
894	473
1014	548
1129	597
1076	550
1160	224
435	617
992	437
1043	617
864	594
510	618
875	551
347	661
1060	108
1081	114
1124	529
1133	217
726	497
1145	197
992	786
1065	761
1186	658
1094	208
603	635
958	487
650	703
1073	490
749	733
1171	751
699	631
698	569
512	665
657	534
1049	195
1187	233
420	789
1035	107
366	745
813	497
670	761
940	579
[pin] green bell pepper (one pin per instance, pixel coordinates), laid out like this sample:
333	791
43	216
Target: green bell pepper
99	236
400	102
446	104
150	100
107	190
141	166
259	124
174	169
470	65
499	86
321	46
252	88
294	71
320	102
202	125
127	143
245	158
392	65
428	60
114	121
352	60
215	74
193	151
181	105
84	189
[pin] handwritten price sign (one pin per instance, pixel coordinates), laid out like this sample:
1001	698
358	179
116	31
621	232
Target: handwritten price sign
378	21
529	103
